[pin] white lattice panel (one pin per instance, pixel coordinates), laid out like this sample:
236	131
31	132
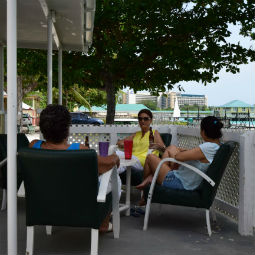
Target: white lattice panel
94	139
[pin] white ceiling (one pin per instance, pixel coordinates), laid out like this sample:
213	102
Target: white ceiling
32	24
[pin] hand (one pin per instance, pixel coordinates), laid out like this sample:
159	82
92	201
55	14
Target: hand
157	146
172	151
120	144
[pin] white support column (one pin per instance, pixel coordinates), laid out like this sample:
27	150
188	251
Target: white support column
49	59
60	76
1	77
12	126
246	184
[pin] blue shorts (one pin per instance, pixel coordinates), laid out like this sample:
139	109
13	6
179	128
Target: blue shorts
171	181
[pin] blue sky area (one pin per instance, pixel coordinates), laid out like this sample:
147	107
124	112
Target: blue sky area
240	86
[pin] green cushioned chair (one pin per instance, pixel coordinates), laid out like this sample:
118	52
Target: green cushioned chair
137	175
22	142
202	197
62	189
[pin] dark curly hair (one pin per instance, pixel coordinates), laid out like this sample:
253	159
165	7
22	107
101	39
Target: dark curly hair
147	111
54	123
212	127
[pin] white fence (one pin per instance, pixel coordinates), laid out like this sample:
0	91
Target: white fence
236	193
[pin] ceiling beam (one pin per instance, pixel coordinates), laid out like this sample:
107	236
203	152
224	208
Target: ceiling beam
53	14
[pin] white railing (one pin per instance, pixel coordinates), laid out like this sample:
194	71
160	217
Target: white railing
236	193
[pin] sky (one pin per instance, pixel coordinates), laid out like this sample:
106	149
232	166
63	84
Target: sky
240	86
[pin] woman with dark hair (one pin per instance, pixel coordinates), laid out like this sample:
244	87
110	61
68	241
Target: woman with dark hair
180	177
54	125
140	139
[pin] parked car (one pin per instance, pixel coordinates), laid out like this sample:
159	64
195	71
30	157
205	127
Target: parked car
82	118
26	119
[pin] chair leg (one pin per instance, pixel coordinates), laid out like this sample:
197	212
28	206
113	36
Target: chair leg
94	242
49	230
4	200
208	222
30	240
147	212
115	205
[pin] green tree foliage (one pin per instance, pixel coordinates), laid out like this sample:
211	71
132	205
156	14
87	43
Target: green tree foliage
156	44
150	104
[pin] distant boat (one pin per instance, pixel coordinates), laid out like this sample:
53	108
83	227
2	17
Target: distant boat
177	112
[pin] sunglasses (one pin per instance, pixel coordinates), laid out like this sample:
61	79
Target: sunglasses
144	118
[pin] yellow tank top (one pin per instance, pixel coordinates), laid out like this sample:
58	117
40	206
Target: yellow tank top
141	146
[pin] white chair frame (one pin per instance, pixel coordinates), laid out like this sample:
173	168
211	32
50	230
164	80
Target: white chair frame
199	172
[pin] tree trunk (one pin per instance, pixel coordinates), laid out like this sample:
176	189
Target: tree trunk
110	91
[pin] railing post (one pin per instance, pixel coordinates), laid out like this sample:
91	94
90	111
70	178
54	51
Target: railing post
113	135
174	134
246	184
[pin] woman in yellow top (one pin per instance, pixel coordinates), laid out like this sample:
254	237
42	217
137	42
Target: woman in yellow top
140	139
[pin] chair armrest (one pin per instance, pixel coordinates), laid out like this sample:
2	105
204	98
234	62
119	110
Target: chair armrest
101	196
108	177
192	168
3	162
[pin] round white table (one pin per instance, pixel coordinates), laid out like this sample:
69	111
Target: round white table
128	163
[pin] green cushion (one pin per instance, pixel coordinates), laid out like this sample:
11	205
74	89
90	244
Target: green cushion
166	138
204	195
61	188
22	142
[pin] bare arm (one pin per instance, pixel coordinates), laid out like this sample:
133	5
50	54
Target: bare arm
120	143
193	154
105	163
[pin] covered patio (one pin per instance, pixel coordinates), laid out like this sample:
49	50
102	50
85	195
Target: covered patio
172	230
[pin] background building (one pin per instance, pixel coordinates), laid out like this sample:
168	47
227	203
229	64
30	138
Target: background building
165	100
185	99
235	108
139	98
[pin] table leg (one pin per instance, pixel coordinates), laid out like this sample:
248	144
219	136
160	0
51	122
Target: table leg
128	184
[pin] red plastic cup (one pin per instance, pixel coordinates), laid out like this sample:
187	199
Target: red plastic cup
128	146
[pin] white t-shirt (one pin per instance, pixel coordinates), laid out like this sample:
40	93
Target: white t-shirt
191	180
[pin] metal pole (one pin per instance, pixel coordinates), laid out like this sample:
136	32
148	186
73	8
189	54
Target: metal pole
12	126
49	59
249	118
60	75
1	78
